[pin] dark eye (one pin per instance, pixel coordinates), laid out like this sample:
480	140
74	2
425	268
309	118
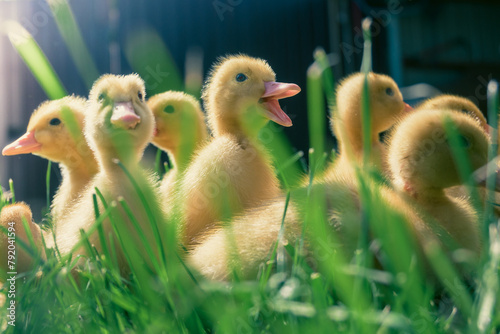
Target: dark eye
139	95
55	121
101	97
466	111
240	77
169	109
389	91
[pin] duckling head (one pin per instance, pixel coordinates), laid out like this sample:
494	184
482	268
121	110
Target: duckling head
55	132
420	155
119	123
179	120
386	102
458	103
241	84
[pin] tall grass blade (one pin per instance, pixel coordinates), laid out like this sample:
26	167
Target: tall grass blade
47	184
147	207
462	162
366	67
493	109
322	59
315	112
100	230
489	288
12	192
36	60
72	36
159	266
450	278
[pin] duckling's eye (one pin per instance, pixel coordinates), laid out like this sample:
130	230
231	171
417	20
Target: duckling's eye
101	97
240	77
139	95
465	111
55	121
389	91
169	109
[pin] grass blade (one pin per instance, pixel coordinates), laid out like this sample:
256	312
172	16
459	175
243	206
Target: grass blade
315	113
47	184
36	60
72	36
12	192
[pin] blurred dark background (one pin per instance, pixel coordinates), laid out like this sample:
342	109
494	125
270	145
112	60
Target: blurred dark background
448	46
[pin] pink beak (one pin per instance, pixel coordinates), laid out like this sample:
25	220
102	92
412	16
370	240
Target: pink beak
124	115
25	144
408	108
273	92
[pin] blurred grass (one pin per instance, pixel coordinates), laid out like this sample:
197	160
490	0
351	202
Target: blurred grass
330	292
148	56
70	32
35	59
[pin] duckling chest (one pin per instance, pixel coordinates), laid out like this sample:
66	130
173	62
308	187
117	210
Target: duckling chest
243	167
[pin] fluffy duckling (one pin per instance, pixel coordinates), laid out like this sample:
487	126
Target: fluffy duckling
11	218
50	137
386	107
422	167
455	102
118	127
245	244
233	171
180	130
461	104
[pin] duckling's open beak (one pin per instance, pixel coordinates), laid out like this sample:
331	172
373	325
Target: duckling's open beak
124	115
25	144
275	91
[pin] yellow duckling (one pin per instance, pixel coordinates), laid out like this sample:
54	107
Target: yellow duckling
11	218
180	130
461	104
233	171
386	107
118	127
50	137
248	241
422	166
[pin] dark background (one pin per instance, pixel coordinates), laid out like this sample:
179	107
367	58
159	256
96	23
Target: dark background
453	46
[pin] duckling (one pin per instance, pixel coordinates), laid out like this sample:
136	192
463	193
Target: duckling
455	102
118	127
180	130
247	242
11	218
422	167
386	107
233	171
50	137
458	103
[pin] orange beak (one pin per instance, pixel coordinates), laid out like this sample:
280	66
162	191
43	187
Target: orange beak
275	91
124	115
25	144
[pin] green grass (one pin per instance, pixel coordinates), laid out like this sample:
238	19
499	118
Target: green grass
326	291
